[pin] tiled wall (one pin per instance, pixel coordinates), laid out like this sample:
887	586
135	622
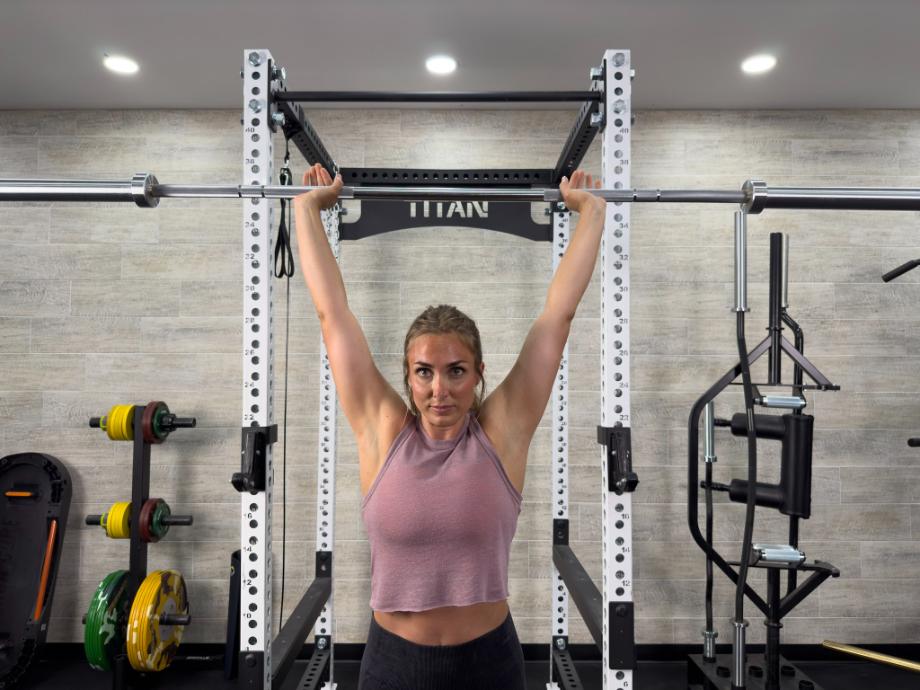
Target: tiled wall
103	304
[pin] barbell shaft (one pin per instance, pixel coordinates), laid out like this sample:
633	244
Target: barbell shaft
145	190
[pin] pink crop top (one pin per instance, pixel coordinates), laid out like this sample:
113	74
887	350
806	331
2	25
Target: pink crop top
440	517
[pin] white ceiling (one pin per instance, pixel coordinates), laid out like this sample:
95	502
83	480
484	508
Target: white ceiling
832	53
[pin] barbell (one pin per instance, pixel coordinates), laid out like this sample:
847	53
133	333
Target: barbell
145	190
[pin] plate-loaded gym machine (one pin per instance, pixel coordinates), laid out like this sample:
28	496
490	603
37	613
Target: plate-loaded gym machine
791	496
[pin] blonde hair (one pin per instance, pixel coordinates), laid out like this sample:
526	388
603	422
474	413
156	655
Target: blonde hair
440	320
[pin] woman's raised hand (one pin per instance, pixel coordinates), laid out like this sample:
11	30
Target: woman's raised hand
318	176
574	195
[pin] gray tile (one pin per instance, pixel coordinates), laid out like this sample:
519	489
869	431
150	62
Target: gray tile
39	372
16	335
203	153
880	485
108	224
181	263
74	447
872	301
87	156
106	297
145	373
867	598
862	447
60	262
24	225
18	409
19	155
81	334
882	560
191	335
209	298
871	410
217	222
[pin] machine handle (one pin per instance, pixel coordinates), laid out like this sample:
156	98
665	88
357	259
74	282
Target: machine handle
901	270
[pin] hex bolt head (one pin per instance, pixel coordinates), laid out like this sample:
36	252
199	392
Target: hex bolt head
278	119
255	59
255	105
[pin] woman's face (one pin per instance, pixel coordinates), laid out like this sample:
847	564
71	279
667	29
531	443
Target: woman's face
442	381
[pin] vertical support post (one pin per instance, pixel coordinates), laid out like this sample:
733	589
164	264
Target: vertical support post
258	355
325	476
771	656
559	414
140	492
741	261
774	363
619	635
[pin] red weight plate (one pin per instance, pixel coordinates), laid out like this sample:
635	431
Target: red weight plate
150	410
146	520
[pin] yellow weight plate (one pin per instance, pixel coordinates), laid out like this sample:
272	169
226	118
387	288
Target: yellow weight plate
152	646
119	423
136	642
114	429
117	521
127	424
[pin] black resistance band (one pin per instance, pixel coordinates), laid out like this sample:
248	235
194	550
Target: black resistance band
284	267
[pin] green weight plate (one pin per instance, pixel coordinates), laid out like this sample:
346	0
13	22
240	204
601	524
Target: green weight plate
107	620
157	528
95	653
158	429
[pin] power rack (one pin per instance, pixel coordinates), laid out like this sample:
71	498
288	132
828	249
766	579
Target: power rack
608	612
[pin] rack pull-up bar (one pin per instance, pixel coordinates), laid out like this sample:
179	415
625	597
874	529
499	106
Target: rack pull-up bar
145	190
439	96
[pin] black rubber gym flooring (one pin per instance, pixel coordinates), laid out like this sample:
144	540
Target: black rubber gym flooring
62	667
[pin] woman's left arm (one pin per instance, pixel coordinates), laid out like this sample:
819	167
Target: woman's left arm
517	404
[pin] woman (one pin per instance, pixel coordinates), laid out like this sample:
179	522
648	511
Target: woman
442	475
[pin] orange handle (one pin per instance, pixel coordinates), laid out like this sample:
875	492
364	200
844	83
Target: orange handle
46	571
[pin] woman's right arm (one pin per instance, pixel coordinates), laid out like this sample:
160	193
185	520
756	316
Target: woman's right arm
369	402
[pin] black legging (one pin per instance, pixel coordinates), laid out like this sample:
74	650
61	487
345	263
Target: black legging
494	661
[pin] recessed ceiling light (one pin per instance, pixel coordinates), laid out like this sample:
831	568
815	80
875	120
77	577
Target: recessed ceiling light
441	64
758	64
120	64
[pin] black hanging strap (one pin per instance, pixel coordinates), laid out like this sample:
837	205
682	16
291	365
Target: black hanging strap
284	258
